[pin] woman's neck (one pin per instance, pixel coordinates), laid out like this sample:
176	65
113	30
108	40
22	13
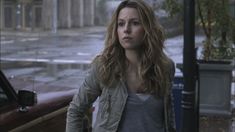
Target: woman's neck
132	75
132	57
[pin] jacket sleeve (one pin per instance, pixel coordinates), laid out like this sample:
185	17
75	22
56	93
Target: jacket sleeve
170	110
82	101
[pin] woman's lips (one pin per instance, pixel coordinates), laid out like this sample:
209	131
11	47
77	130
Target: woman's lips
127	38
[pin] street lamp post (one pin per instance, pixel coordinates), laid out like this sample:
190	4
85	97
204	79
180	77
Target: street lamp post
189	98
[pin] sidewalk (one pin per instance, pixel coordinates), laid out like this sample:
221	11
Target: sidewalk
59	32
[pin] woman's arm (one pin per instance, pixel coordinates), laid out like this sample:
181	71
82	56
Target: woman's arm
82	101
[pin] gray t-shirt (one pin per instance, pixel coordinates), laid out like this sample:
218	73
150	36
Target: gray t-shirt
142	113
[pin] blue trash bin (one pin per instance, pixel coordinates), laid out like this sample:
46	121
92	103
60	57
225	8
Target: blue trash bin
177	95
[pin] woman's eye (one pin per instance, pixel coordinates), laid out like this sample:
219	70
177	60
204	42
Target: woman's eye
136	23
120	24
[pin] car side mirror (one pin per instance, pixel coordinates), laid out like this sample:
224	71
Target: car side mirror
26	98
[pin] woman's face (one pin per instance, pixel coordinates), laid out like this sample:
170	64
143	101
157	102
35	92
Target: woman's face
130	30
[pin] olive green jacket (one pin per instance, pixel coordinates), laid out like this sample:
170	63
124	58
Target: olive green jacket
112	101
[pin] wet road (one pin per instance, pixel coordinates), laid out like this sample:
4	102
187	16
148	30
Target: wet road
67	49
34	62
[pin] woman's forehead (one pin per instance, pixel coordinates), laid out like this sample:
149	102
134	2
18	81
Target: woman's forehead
128	13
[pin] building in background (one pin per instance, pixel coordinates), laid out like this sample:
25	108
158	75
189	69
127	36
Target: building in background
46	14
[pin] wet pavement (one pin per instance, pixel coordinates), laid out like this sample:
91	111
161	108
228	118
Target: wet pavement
34	59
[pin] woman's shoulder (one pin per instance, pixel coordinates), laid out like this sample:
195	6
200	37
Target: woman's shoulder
171	68
97	64
172	64
169	63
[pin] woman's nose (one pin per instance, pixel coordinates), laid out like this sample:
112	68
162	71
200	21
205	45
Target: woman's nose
127	28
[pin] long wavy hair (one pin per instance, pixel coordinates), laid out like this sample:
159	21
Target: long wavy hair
154	64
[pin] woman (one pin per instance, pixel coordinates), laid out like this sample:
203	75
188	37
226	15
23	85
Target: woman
132	77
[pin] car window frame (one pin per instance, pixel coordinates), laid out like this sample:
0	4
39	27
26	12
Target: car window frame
7	88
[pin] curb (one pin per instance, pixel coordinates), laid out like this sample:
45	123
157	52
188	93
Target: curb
60	32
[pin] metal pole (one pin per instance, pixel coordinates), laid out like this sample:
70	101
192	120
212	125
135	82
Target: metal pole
54	28
190	112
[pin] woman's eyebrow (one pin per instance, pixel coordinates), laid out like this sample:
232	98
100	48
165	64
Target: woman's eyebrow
132	19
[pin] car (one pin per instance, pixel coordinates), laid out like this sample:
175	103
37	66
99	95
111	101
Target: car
26	110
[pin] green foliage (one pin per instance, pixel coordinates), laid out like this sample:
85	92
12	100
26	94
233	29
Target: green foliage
172	6
217	24
219	50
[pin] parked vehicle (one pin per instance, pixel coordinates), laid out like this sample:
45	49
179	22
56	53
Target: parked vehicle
28	111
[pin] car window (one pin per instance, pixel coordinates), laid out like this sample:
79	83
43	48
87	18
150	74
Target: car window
3	97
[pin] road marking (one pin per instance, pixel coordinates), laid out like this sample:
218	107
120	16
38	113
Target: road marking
47	60
29	39
7	41
72	61
28	60
83	54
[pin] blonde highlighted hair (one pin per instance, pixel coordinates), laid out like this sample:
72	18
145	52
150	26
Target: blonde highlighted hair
155	65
